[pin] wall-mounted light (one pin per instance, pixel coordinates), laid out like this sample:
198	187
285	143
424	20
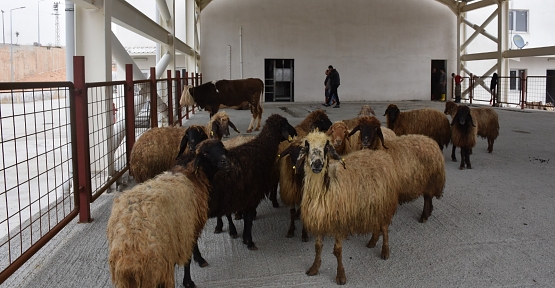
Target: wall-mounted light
140	58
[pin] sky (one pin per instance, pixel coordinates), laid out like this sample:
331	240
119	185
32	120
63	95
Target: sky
26	20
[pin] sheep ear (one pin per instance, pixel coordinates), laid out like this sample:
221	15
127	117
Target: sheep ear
215	129
302	155
285	152
380	135
196	165
183	144
334	154
455	119
328	133
386	111
354	131
471	120
233	126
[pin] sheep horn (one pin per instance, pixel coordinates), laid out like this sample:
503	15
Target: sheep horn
233	126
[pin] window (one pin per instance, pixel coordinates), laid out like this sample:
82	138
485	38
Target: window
518	20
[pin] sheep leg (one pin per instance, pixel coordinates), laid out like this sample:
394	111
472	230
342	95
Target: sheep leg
273	198
428	207
198	257
467	159
338	252
304	235
490	145
385	242
187	281
291	231
232	228
248	216
313	270
453	157
461	167
374	239
219	225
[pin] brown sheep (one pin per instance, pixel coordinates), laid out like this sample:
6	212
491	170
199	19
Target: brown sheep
156	224
429	122
486	121
342	139
155	150
464	134
366	110
357	198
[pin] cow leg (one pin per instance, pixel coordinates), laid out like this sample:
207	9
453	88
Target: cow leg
259	116
251	125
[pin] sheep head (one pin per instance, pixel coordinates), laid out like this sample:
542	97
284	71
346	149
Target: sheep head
318	119
366	110
450	108
314	153
339	133
370	132
193	136
211	156
463	117
392	112
219	125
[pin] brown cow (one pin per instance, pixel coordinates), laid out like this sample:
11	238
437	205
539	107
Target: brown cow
211	95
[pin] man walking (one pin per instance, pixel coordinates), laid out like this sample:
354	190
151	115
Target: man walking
458	80
334	82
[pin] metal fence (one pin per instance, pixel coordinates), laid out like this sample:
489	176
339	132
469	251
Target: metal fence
525	92
63	144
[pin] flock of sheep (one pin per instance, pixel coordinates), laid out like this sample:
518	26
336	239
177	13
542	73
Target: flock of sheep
341	178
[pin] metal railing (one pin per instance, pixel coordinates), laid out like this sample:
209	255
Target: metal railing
525	92
63	144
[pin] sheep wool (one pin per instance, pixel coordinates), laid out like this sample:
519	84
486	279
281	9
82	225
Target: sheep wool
154	226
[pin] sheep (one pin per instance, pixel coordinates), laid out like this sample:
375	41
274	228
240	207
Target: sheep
420	162
426	121
156	224
220	123
341	136
154	152
464	134
486	121
290	183
357	198
250	176
317	119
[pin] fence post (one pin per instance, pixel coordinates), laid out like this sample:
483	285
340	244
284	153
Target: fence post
170	98
153	99
178	96
523	89
82	140
471	94
194	81
129	99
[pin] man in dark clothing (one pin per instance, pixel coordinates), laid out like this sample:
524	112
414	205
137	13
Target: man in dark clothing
435	84
334	82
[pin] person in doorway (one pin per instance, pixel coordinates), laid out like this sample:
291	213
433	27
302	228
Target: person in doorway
334	81
435	84
493	87
442	83
458	79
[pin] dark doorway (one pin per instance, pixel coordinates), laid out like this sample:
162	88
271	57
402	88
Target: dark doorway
514	82
278	80
435	88
550	87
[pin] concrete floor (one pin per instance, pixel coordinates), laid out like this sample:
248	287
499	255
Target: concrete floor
492	228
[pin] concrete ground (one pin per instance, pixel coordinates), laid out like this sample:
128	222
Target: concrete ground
492	228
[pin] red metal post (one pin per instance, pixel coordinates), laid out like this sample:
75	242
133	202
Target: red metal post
153	99
471	94
129	99
170	98
178	85
194	83
82	140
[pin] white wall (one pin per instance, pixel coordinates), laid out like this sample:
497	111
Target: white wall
382	49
